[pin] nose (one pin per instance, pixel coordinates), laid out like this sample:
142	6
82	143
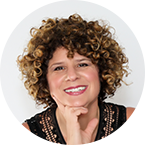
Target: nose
72	74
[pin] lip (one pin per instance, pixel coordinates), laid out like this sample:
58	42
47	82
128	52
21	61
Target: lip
76	93
75	87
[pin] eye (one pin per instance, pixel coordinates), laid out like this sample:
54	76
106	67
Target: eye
58	68
83	65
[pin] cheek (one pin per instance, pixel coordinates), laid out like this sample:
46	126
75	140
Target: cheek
54	82
92	76
94	81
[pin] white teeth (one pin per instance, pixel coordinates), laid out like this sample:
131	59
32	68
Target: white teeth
76	89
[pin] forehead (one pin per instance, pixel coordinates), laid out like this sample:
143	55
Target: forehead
61	54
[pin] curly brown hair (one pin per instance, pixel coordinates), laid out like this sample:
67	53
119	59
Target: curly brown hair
89	39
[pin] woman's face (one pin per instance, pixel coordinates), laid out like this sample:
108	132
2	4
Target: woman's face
73	81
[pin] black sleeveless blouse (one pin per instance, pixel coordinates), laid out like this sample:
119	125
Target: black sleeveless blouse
45	124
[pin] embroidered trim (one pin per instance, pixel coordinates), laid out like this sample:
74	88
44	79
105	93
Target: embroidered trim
117	116
108	118
45	126
48	127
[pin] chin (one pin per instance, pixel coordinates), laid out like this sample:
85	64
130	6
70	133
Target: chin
78	104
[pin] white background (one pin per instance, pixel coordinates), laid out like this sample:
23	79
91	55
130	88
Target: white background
20	103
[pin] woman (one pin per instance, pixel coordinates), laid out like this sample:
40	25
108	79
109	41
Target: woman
72	66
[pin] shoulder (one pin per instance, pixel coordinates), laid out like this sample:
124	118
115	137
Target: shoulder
33	123
26	125
129	112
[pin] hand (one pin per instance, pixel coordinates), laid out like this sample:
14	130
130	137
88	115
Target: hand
75	135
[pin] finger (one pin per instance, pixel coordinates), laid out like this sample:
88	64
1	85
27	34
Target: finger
79	110
70	110
59	104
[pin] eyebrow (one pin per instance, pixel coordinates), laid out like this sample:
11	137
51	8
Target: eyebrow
78	60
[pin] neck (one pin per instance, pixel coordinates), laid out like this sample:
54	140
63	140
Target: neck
93	112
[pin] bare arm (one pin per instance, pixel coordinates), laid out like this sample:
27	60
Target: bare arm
26	126
129	112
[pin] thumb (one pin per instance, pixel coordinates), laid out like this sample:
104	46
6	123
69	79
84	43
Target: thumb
91	126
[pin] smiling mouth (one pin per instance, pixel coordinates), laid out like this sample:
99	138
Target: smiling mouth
76	90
